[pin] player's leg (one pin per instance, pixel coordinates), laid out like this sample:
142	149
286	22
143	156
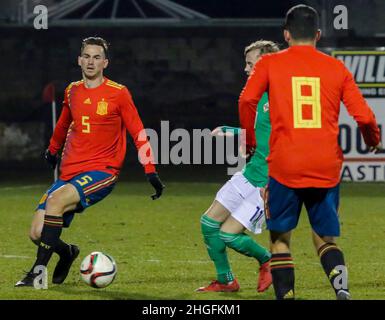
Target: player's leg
249	215
38	218
92	187
211	222
47	225
67	252
282	267
322	206
37	226
217	212
333	263
62	248
232	233
228	200
58	202
282	209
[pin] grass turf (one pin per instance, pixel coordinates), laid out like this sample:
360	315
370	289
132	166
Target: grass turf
159	250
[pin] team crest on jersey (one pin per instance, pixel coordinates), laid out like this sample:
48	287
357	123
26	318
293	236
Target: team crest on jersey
102	108
266	107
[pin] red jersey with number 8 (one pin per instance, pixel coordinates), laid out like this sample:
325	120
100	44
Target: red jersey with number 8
305	88
92	129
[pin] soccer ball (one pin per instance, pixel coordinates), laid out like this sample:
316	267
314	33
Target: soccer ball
98	270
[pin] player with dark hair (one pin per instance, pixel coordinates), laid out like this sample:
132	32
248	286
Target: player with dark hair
305	89
91	132
238	205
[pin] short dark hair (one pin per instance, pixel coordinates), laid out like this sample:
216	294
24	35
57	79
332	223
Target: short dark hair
97	41
302	22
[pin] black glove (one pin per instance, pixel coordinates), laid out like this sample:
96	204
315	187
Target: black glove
153	178
51	159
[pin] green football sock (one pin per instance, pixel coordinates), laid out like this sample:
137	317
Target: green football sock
246	245
216	248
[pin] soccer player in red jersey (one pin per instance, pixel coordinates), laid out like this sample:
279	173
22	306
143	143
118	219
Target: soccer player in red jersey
91	132
305	89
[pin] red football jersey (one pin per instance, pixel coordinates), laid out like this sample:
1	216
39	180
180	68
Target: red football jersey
305	88
92	129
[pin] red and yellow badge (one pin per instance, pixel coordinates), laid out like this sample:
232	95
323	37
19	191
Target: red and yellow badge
102	108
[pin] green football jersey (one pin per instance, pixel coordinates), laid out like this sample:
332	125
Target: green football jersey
256	169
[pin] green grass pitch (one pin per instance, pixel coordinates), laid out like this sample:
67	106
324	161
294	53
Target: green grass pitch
159	250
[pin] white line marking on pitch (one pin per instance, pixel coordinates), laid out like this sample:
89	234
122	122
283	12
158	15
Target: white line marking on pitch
23	187
9	256
180	261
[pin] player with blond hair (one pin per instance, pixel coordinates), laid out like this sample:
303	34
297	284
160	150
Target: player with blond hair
238	204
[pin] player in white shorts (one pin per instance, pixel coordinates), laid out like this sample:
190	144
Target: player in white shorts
244	201
239	205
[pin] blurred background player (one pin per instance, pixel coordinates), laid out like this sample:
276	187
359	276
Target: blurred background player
238	204
91	132
305	88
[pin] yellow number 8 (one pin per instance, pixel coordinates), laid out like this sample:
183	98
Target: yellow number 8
300	100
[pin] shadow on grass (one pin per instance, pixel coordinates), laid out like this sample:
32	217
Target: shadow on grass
109	294
74	291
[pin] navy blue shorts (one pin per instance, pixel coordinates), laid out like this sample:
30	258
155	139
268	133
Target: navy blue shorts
92	186
284	206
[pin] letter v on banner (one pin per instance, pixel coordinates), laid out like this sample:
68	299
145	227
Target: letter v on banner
49	97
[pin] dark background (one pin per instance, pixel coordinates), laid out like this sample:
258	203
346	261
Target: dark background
189	71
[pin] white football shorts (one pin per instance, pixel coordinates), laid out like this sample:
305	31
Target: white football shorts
244	202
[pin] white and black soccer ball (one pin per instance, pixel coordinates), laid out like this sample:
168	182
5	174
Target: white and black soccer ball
98	269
